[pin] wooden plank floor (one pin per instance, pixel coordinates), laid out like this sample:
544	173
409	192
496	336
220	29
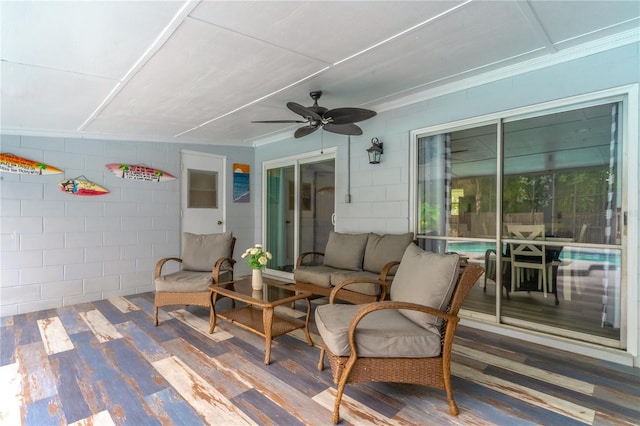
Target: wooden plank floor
583	313
105	363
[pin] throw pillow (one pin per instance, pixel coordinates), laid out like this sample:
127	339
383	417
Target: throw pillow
345	251
427	279
382	249
201	251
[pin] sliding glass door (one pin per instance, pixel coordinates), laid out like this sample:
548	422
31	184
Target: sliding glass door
280	208
457	196
537	201
563	172
299	207
317	201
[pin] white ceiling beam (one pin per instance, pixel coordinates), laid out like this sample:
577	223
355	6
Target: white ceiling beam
162	38
536	26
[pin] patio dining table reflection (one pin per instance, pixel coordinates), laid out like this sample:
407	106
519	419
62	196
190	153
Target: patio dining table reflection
552	254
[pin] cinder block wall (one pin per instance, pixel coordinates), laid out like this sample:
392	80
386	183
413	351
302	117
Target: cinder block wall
58	249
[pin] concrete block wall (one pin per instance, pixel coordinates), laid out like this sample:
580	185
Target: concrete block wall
379	193
58	249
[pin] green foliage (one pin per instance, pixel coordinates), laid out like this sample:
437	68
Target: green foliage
429	216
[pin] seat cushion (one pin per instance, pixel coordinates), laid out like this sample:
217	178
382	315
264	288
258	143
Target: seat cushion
364	288
385	333
345	251
382	249
201	251
316	274
427	279
187	281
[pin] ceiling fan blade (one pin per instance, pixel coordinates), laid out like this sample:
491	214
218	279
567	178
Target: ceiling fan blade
304	131
279	121
343	129
349	115
303	111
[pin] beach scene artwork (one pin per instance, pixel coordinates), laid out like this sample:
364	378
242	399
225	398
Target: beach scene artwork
241	193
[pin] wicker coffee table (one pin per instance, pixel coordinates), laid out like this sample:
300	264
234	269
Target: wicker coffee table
258	314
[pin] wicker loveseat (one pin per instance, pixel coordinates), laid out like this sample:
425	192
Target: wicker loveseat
352	259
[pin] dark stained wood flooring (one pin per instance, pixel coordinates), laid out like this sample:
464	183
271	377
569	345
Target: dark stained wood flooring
104	363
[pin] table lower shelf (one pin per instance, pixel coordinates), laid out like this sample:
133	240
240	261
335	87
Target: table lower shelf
251	318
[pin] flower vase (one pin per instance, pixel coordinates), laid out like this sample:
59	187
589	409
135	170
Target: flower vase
256	279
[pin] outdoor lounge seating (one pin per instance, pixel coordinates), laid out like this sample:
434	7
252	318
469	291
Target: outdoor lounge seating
206	259
407	339
358	258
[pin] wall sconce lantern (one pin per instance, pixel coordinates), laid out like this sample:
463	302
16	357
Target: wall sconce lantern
375	152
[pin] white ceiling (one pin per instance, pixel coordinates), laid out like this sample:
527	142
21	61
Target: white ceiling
200	72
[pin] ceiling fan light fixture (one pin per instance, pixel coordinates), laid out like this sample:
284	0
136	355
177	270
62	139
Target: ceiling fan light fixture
375	151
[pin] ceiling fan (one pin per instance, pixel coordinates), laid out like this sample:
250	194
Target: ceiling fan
338	120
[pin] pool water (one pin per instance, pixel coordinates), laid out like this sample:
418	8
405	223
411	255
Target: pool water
477	249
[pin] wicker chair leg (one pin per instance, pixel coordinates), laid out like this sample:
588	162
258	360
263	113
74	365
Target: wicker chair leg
344	377
155	321
335	416
321	360
453	407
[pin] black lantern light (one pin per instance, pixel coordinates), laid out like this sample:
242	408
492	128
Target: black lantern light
375	152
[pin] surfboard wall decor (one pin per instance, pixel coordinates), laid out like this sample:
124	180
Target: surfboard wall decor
13	164
84	187
139	172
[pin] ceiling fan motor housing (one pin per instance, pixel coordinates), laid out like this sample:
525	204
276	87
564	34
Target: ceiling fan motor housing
315	107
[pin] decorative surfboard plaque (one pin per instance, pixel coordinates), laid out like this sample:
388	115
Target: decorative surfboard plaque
13	164
139	172
82	186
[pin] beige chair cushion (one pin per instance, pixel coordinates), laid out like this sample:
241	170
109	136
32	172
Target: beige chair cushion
201	251
382	249
364	288
427	279
187	281
385	333
345	251
317	274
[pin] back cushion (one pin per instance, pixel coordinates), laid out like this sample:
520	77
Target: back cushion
382	249
425	278
345	251
201	251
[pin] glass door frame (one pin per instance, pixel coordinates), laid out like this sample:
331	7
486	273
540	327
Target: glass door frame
628	96
296	161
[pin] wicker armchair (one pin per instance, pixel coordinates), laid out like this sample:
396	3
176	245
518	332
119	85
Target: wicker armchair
206	259
397	340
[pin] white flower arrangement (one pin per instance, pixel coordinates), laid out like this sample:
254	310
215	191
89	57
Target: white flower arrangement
256	257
